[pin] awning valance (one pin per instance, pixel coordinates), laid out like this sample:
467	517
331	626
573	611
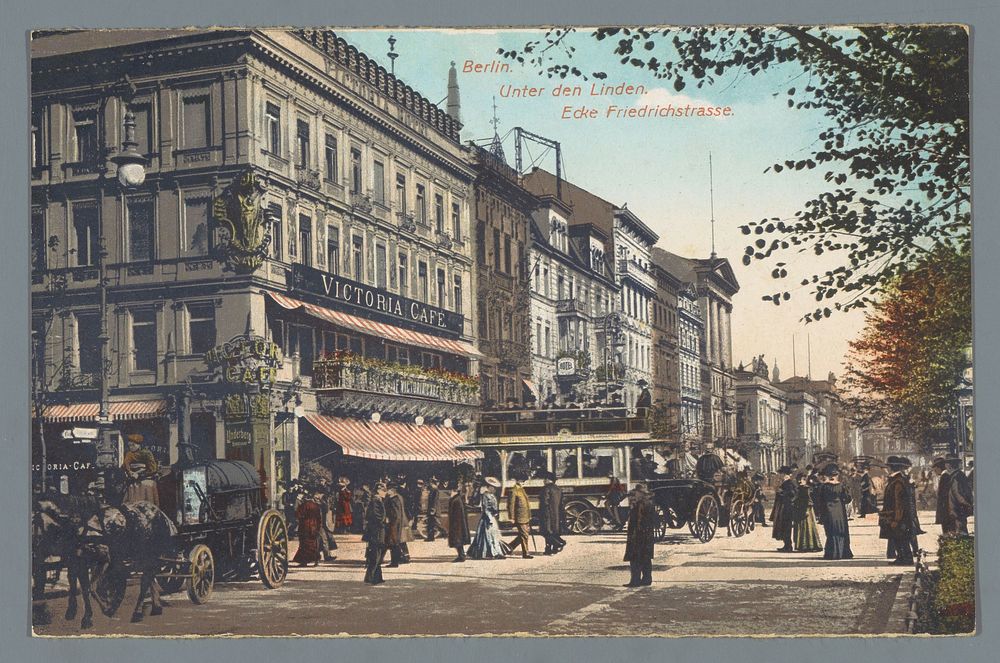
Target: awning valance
119	411
392	440
380	329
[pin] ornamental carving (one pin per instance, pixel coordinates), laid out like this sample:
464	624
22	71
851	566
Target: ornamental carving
238	211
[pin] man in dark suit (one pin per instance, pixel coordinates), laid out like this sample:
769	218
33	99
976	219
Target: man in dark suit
782	515
550	514
375	536
941	514
433	494
458	523
959	496
640	536
895	519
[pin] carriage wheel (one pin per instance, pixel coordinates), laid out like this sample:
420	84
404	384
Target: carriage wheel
671	518
706	518
590	521
202	578
573	511
662	522
272	549
107	586
737	522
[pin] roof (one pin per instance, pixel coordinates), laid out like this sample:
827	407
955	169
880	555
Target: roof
587	208
692	270
63	42
679	267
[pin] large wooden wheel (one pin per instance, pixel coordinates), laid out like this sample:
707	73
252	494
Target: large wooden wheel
590	521
202	567
272	549
737	518
107	586
574	510
705	518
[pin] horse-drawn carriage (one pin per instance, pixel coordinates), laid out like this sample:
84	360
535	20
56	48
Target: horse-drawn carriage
223	531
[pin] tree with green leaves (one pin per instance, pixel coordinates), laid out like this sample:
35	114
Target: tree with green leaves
895	149
905	366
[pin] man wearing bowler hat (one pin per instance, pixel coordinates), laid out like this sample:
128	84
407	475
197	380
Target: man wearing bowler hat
550	514
895	520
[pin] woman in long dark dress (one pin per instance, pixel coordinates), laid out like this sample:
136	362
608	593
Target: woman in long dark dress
309	515
834	498
805	537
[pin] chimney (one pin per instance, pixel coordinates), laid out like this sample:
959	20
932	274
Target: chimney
454	102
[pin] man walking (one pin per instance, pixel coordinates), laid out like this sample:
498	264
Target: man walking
550	514
433	494
959	496
458	523
519	512
941	514
895	520
782	515
613	499
640	537
375	534
396	529
868	503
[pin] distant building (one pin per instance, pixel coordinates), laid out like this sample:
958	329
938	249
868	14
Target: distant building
840	435
666	387
761	417
806	430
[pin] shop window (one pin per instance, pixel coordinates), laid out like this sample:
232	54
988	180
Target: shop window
144	340
201	327
140	230
196	242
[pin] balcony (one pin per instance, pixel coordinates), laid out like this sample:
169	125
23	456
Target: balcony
372	376
632	270
571	307
307	177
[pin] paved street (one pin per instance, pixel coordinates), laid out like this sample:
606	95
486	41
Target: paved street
728	587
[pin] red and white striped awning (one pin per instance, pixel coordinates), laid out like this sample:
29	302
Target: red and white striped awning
380	329
392	440
119	411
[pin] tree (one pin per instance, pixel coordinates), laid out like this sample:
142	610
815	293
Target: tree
904	367
895	150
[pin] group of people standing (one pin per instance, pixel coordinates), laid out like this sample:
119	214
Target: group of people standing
814	495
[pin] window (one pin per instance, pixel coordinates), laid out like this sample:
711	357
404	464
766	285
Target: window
538	338
302	143
201	327
378	182
277	221
401	193
380	273
37	138
140	230
196	241
404	282
481	242
358	248
457	292
272	123
456	222
305	240
439	213
85	136
196	122
506	254
143	128
424	293
88	329
442	293
355	170
38	240
397	354
87	240
144	340
430	360
421	204
333	249
330	156
496	249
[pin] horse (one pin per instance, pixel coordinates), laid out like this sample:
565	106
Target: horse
134	536
56	525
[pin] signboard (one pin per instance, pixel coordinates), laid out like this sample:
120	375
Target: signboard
565	366
246	360
368	300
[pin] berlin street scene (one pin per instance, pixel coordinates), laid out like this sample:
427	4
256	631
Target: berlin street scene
608	331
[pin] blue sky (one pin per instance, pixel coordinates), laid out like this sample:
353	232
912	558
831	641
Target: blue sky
659	167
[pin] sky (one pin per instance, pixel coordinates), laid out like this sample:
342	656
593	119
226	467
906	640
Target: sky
659	167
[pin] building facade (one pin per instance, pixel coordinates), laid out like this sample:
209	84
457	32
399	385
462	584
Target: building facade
806	429
761	417
666	385
295	270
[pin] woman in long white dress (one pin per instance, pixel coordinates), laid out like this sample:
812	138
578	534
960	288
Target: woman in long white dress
486	544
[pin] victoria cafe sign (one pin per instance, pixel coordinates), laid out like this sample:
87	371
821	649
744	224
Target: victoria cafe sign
246	360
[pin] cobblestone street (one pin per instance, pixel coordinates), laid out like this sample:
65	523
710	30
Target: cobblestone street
730	586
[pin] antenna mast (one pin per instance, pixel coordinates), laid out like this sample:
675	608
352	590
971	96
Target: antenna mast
795	371
809	357
711	203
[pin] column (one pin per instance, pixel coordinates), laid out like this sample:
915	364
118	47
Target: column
706	315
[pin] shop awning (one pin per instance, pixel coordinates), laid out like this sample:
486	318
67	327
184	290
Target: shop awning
392	440
119	411
380	329
533	389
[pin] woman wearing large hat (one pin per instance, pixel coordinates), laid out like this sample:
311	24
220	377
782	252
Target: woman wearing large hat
486	544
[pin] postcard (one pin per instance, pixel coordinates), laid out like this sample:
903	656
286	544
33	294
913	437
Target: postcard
619	331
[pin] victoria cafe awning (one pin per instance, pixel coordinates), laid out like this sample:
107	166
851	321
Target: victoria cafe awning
119	411
393	440
379	329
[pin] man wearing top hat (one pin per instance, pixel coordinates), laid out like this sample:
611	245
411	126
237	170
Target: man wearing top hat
375	535
957	498
550	514
458	522
782	513
895	519
433	494
640	536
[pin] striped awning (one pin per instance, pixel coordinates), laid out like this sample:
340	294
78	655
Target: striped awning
392	440
119	411
380	329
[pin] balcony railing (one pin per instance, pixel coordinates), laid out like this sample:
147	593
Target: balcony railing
393	380
586	421
571	306
630	269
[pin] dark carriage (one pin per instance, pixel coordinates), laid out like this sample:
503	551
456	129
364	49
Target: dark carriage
225	529
690	502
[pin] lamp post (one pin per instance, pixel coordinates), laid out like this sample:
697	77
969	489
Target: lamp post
131	172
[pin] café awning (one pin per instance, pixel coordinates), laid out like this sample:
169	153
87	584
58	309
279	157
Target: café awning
375	328
533	389
393	440
119	411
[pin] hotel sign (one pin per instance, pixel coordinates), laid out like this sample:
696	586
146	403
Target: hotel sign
387	306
